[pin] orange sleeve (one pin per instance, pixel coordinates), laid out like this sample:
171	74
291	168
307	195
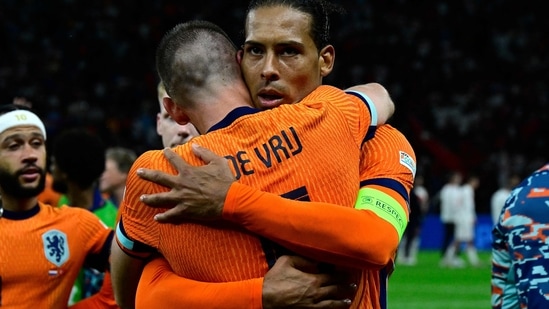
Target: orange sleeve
104	299
160	287
327	232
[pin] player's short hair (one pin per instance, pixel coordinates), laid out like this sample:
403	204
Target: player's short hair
192	55
321	12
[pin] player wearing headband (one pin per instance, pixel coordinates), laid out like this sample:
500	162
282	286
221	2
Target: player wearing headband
42	247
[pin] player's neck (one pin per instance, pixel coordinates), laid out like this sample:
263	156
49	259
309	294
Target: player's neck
78	197
18	204
206	115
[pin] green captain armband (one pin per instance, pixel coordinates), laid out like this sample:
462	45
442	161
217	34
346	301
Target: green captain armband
383	205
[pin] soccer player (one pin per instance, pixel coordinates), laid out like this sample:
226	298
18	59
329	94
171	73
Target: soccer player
451	198
465	220
498	198
520	264
283	66
43	248
78	161
289	156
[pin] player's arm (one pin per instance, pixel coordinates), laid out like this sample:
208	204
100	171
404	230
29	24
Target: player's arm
126	268
330	233
103	299
292	282
159	286
501	264
378	98
136	234
527	260
333	233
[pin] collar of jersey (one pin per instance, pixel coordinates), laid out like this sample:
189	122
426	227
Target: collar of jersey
232	116
21	215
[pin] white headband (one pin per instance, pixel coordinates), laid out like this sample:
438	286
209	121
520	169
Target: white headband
20	118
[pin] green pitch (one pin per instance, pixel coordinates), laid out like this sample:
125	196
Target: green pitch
428	286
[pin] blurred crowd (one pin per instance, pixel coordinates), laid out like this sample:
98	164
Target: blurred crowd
469	78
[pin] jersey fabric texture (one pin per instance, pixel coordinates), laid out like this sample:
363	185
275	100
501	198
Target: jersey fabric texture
277	218
42	250
388	169
520	262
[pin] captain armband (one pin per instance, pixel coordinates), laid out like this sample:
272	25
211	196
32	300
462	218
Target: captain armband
132	248
385	206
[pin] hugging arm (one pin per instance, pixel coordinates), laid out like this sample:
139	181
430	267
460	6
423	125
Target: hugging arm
328	232
125	272
378	97
292	282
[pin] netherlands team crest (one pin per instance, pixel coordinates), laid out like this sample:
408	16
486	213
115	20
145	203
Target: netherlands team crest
56	247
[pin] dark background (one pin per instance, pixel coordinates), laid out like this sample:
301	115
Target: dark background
469	78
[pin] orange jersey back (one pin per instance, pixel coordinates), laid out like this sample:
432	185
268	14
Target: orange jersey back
307	151
42	251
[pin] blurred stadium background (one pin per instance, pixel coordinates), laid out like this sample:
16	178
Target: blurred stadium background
469	78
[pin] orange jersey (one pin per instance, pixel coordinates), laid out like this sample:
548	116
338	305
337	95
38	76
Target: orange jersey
388	165
42	251
305	151
317	240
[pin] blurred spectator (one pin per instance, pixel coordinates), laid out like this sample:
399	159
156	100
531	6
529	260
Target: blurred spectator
419	205
498	198
465	222
118	161
450	199
172	133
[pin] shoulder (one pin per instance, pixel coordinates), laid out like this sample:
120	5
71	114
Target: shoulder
148	158
332	96
389	139
326	92
78	214
387	131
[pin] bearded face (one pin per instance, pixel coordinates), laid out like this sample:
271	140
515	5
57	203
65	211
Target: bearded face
13	185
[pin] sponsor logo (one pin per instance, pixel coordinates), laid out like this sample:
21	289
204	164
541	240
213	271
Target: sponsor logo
408	162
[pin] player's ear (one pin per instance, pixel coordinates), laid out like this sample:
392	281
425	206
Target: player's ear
175	111
239	54
326	60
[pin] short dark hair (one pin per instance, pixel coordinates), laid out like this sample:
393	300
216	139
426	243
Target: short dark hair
81	155
6	108
321	12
